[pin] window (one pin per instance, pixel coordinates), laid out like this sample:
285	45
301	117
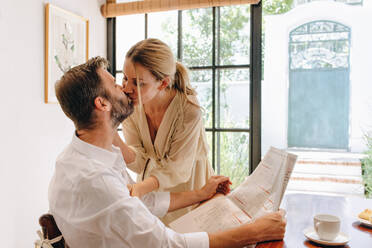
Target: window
214	43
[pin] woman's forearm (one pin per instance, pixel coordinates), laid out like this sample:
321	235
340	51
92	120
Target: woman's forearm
146	186
184	199
210	189
128	154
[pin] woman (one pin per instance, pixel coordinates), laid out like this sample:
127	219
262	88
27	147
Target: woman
166	141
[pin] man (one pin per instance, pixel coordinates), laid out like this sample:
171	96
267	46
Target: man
89	196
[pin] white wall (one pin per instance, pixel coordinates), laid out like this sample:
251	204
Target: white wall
275	86
32	133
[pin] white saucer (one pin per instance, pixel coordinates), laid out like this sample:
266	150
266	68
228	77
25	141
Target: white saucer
365	222
341	239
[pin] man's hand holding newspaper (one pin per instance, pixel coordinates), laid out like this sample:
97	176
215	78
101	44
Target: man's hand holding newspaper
260	194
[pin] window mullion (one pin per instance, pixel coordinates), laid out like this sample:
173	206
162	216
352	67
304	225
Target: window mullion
179	41
255	87
111	44
213	89
218	88
146	25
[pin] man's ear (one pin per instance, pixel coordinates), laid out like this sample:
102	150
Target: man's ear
102	104
164	83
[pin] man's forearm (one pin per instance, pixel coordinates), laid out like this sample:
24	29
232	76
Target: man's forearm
236	237
268	227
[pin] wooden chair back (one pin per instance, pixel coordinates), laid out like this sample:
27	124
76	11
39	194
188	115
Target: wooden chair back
51	231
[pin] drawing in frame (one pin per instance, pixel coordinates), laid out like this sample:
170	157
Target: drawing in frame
66	45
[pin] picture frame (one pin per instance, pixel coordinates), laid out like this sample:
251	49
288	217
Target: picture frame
66	45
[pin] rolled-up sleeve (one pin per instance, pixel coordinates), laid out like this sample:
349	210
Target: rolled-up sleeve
132	137
177	166
197	239
157	202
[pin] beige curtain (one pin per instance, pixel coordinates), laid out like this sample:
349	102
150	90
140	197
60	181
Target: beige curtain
113	9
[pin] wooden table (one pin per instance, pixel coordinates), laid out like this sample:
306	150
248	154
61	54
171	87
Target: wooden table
302	207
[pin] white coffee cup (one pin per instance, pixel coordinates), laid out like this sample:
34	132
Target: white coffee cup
327	226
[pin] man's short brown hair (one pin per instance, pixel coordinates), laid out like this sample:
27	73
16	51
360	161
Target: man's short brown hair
77	89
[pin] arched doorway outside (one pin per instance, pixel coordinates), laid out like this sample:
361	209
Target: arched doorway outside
319	86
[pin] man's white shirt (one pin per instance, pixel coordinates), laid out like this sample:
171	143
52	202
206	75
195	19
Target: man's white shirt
90	202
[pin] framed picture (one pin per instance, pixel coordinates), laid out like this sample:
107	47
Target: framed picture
66	45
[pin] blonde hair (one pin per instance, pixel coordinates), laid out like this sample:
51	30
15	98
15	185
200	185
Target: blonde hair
157	57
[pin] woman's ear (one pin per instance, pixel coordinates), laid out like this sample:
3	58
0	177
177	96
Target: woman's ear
102	104
164	83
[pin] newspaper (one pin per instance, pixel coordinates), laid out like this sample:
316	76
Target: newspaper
260	193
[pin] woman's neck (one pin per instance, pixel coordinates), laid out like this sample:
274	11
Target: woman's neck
160	103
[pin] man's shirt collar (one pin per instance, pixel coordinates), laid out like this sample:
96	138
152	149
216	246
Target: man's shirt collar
106	157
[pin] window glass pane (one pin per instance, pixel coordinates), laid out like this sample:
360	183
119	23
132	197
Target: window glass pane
232	157
197	37
163	26
232	98
201	80
209	140
119	78
233	35
129	30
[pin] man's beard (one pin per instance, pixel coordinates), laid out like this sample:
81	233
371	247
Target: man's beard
120	110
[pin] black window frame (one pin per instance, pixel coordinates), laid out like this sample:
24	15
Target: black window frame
255	75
